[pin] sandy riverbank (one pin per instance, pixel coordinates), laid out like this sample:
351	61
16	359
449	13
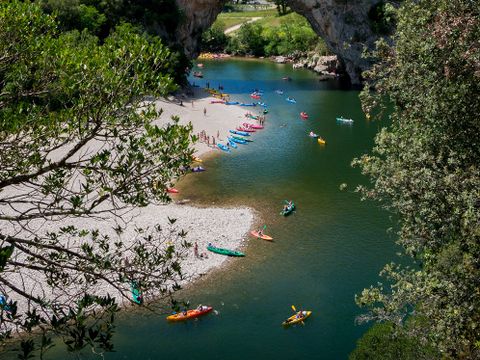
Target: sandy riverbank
224	227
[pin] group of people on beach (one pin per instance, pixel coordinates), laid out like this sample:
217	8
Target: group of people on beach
208	139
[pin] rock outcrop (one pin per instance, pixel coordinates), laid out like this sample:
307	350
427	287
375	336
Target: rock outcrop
326	66
343	24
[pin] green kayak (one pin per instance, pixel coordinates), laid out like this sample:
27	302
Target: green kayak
241	138
288	209
224	251
136	293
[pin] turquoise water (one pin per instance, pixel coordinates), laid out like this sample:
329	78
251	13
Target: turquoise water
332	247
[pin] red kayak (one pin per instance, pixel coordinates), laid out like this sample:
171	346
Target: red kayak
304	115
190	314
172	190
239	128
253	96
252	126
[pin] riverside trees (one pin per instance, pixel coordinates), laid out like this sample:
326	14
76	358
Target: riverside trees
77	142
425	168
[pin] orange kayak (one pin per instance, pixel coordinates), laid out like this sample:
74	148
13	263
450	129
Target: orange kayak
189	314
172	190
264	237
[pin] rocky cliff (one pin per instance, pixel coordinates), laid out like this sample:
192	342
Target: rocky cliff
343	24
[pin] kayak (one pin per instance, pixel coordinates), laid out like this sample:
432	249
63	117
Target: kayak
279	92
288	210
231	103
251	104
239	128
264	237
298	317
342	119
312	134
197	159
321	141
232	144
223	147
304	115
291	100
253	126
287	78
217	102
243	133
236	140
198	169
190	314
136	293
254	96
262	104
172	190
251	116
241	138
265	111
227	252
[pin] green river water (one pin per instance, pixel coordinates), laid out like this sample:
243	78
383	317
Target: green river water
332	247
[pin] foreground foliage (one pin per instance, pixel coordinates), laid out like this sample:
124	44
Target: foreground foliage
425	168
78	144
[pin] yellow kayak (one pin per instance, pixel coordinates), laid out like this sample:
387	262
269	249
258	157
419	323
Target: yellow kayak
321	141
298	317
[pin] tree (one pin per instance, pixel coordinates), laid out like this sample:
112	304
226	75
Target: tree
214	39
248	40
425	168
282	6
78	143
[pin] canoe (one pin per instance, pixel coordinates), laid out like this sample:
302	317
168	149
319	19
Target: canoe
294	319
236	140
223	147
136	293
291	100
239	128
172	190
342	119
253	126
264	237
232	144
243	133
321	141
221	251
241	138
288	210
198	169
304	115
231	103
189	314
250	104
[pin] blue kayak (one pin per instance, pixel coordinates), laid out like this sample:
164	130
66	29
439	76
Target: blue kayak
231	103
236	140
198	169
241	138
223	147
251	104
232	144
243	133
262	104
291	100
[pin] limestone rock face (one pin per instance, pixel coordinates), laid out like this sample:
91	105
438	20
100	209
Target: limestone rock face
343	24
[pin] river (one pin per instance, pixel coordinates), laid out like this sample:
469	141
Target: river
331	248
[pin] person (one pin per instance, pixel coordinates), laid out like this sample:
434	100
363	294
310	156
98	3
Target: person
208	85
260	232
192	103
195	249
213	140
181	103
218	134
204	111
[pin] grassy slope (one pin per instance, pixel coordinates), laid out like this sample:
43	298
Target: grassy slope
234	18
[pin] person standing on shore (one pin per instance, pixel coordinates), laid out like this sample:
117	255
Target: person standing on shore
218	134
195	249
204	111
192	103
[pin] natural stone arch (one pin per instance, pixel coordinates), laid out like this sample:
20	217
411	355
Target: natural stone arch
343	24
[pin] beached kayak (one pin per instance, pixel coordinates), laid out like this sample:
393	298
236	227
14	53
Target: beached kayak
232	143
198	169
136	293
253	126
197	159
235	140
223	147
190	314
289	209
232	103
321	141
172	191
298	317
250	104
263	236
241	138
222	251
243	133
239	128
